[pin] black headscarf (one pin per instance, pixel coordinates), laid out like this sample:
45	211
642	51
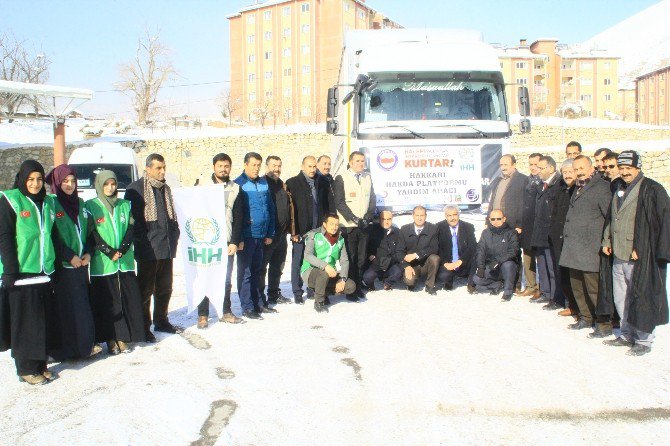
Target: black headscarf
28	167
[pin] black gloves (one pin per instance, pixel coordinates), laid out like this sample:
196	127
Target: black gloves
361	222
480	272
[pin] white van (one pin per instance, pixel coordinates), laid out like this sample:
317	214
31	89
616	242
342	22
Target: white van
89	160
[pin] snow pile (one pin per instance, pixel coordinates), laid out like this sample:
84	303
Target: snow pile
642	41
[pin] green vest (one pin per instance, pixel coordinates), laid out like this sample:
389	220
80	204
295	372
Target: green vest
324	251
112	229
35	250
72	236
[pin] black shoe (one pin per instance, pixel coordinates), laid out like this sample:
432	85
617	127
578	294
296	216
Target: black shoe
618	342
281	299
167	327
359	293
472	289
410	287
150	338
598	333
638	350
326	301
579	325
506	298
448	286
267	310
271	301
352	298
551	306
310	293
431	290
252	314
320	307
495	292
299	300
541	300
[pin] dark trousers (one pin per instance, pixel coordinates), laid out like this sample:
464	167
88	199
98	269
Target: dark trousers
566	289
356	241
427	269
548	272
585	286
296	262
203	307
155	278
323	285
447	277
274	259
249	269
30	367
392	275
505	273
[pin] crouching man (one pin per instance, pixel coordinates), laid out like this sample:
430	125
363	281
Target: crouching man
496	259
323	248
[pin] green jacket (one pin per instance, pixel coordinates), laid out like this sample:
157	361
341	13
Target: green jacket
72	236
111	229
319	253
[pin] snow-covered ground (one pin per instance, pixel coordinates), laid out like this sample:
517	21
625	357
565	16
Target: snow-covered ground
399	368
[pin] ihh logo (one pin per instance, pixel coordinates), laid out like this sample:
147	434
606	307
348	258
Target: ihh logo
468	167
472	195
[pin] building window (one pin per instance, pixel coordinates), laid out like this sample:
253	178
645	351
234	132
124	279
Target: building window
361	15
346	6
268	94
538	67
304	49
305	69
251	19
268	35
521	65
606	65
268	55
287	71
585	98
607	81
286	10
538	83
501	64
267	15
587	112
304	7
286	52
252	97
252	77
286	32
586	66
306	111
586	81
287	92
268	75
608	97
304	29
567	66
522	81
305	90
251	38
252	58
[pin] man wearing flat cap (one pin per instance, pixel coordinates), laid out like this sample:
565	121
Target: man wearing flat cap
637	241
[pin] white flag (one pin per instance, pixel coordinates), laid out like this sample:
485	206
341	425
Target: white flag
201	212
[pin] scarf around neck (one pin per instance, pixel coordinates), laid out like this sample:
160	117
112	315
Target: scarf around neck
150	210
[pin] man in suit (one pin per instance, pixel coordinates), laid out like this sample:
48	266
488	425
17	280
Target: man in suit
457	244
382	244
309	205
417	251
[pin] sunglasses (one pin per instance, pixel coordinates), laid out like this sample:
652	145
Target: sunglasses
609	166
495	218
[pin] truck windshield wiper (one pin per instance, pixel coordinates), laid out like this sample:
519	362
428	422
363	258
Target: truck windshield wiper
464	125
410	131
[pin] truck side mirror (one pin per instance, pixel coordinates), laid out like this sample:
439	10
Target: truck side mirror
333	99
331	126
524	101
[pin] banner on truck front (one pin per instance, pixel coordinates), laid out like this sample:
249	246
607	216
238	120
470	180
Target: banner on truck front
203	242
429	175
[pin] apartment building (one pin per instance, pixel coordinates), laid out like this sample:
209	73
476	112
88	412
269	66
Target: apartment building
561	79
285	54
652	91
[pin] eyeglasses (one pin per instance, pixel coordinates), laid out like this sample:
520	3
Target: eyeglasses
609	166
495	218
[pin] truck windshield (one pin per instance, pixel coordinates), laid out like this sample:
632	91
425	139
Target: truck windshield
433	100
86	174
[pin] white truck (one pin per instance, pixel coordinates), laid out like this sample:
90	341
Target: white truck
427	108
88	161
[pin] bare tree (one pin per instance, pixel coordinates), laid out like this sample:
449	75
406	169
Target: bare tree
144	76
263	110
19	64
229	105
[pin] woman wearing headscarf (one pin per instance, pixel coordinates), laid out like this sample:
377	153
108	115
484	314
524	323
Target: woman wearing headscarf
27	260
115	294
75	320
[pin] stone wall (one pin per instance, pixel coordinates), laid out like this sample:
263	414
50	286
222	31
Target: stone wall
187	159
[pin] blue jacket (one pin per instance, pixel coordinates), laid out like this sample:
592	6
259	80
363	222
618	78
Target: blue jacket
259	210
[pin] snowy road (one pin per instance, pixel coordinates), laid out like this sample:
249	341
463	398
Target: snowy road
400	368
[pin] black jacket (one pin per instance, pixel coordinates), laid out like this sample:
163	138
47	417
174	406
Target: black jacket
467	242
383	246
283	208
326	184
528	217
497	245
302	203
544	203
424	245
156	240
511	204
558	211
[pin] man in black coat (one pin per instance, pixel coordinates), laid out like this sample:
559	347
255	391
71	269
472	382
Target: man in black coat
417	251
309	199
497	257
156	235
326	182
457	244
547	264
382	245
526	232
274	254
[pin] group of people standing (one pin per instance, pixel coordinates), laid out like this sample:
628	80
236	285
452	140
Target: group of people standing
68	267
